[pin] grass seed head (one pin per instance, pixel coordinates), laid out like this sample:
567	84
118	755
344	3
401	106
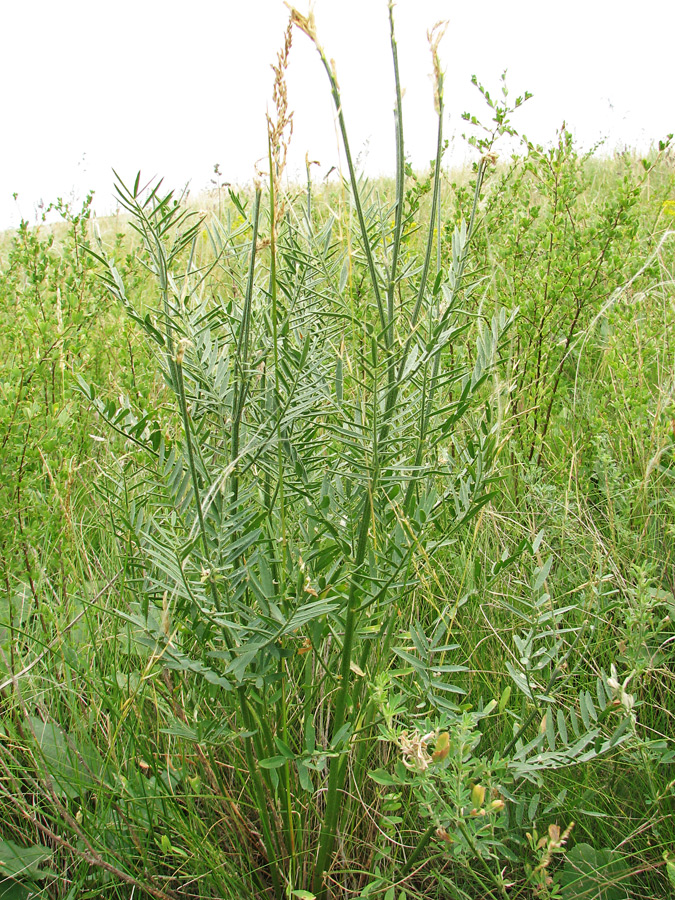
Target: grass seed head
435	36
280	128
304	23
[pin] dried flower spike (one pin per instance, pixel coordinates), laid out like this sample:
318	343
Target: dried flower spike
304	23
435	36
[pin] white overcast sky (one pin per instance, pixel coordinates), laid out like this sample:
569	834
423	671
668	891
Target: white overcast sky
171	88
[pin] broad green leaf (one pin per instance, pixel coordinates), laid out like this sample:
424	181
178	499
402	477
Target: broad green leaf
284	749
273	762
14	890
550	729
74	767
590	874
23	862
532	808
381	776
542	575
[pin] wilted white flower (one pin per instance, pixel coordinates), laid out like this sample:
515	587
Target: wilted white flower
414	750
619	692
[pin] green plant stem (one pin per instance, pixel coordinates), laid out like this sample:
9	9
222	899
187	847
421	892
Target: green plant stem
400	187
178	366
420	847
275	344
337	770
288	810
241	387
260	797
374	277
470	841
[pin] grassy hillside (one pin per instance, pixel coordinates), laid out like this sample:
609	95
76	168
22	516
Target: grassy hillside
337	534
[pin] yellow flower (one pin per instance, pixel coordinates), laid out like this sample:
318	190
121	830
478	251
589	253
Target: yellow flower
477	795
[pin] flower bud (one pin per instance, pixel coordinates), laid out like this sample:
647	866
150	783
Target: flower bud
478	795
442	747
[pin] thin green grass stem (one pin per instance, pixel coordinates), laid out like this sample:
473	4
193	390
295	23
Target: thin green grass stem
241	387
400	187
420	847
374	277
337	771
275	343
261	803
178	368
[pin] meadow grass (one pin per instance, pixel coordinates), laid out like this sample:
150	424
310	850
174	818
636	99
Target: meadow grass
337	551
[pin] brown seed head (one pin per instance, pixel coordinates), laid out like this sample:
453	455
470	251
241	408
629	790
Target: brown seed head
304	23
435	36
